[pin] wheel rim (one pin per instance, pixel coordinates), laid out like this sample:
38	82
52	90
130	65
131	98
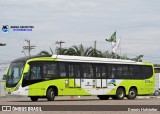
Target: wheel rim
52	94
120	94
132	94
156	93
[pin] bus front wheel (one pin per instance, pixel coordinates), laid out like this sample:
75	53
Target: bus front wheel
50	94
132	93
34	98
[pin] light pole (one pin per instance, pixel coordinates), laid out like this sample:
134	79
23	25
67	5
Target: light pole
60	46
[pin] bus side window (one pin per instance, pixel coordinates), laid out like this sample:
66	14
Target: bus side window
50	70
146	71
104	72
77	71
131	73
111	71
136	72
35	73
87	71
98	71
71	71
74	70
62	70
119	72
126	72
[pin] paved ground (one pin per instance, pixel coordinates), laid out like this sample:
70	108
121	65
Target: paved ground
90	101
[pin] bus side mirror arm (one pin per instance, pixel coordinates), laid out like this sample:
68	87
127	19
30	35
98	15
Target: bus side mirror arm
5	77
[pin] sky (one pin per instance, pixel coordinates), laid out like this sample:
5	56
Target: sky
136	22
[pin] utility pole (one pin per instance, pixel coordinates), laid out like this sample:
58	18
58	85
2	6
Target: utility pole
60	45
29	47
94	51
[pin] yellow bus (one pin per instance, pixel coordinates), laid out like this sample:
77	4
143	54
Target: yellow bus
48	76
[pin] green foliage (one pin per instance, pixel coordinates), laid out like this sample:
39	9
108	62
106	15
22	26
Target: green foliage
138	58
80	50
44	53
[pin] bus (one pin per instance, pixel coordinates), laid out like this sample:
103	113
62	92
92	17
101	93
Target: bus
48	76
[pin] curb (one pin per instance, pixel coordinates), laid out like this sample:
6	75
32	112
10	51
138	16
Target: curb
147	97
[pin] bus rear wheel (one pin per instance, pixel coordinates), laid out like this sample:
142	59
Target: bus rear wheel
120	94
103	97
34	98
50	94
132	93
156	93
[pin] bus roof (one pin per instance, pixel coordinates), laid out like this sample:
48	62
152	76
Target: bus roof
93	59
79	59
24	59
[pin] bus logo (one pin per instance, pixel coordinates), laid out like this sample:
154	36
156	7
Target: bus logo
5	28
112	82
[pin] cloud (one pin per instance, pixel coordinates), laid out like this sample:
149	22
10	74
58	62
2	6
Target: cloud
83	21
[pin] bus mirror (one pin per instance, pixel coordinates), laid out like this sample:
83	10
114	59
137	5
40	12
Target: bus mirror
5	77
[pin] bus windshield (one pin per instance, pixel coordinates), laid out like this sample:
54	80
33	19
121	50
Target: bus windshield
14	74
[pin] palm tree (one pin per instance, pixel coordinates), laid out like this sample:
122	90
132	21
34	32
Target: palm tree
74	50
44	53
63	51
81	51
138	58
106	54
90	52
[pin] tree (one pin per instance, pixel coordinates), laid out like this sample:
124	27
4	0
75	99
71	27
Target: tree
63	51
90	52
138	58
81	51
76	50
44	53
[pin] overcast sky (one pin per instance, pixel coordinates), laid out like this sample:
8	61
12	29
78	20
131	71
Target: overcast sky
137	23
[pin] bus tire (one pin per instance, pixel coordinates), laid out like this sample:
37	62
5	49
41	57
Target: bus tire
33	98
50	94
132	93
156	93
103	97
120	94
